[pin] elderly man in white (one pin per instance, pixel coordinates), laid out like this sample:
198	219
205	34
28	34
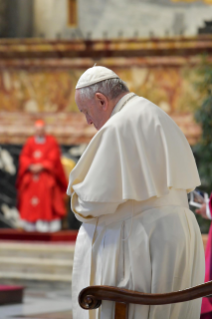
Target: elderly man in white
130	191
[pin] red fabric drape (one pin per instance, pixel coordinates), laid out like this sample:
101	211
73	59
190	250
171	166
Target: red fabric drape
206	310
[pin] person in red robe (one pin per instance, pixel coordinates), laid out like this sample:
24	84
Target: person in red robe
206	212
41	183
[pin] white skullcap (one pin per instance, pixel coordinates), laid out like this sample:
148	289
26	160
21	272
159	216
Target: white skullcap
94	75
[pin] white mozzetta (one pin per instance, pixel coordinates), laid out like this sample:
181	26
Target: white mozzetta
140	152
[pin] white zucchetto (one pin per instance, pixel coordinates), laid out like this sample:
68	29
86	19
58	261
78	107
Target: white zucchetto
94	75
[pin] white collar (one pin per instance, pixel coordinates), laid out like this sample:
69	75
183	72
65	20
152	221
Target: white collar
40	140
122	102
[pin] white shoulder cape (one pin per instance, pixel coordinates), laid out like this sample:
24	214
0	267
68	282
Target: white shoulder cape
139	153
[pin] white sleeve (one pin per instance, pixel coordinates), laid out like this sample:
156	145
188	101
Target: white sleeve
208	212
88	211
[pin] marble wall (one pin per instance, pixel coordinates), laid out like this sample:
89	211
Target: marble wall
52	91
38	79
98	19
26	95
50	18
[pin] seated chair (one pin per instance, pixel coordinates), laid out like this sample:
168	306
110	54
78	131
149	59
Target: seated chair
91	297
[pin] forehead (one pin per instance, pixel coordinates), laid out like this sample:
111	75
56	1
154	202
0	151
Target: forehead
77	94
82	103
79	99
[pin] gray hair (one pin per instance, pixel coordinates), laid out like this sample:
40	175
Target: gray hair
111	88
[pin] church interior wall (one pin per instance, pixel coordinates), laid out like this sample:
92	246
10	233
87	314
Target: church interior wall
28	94
120	18
143	18
33	87
98	19
159	61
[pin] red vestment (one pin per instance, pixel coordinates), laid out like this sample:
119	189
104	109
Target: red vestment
41	196
206	310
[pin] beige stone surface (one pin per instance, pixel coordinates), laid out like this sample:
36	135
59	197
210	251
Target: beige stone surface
36	264
58	315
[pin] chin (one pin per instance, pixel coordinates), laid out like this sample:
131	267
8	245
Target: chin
97	127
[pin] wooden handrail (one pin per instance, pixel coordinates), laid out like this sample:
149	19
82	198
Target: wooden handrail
91	297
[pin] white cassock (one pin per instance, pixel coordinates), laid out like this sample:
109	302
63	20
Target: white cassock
130	191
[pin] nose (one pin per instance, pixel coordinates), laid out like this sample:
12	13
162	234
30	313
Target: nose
89	121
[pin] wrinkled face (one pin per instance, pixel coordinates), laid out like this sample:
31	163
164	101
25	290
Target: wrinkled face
97	111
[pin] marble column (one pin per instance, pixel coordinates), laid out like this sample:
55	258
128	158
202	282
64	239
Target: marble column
19	18
50	18
3	18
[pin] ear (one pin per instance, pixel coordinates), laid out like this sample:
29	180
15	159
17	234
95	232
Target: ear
102	101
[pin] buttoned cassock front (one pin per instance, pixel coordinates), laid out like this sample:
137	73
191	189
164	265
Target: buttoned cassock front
129	190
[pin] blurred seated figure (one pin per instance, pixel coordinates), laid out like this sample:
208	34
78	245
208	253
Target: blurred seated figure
41	183
206	212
